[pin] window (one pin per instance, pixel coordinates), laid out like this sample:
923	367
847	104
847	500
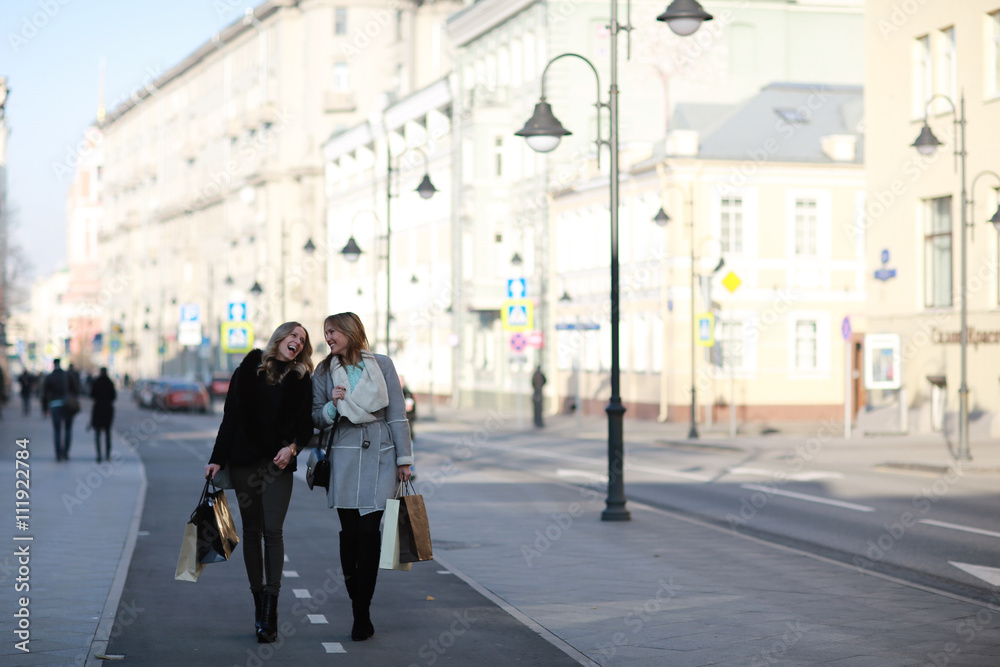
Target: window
341	77
921	75
806	345
946	71
498	153
806	227
729	339
340	20
399	25
937	254
731	225
993	55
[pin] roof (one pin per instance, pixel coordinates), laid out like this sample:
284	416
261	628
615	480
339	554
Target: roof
787	121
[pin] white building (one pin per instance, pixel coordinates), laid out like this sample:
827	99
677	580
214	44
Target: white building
213	172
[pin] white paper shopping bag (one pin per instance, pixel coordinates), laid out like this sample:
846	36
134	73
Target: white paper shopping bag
389	559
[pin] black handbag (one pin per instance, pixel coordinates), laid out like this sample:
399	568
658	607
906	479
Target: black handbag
215	527
318	466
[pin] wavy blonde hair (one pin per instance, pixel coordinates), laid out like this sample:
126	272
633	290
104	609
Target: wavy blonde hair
271	366
350	325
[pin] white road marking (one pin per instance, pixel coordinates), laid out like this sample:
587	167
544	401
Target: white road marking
811	499
444	571
990	575
291	574
593	476
316	619
955	526
301	593
334	647
811	476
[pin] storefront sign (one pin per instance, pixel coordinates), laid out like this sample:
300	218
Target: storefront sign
939	337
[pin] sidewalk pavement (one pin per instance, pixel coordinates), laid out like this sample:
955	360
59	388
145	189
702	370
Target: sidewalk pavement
657	590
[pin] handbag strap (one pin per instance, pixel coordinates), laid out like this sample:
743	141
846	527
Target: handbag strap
333	430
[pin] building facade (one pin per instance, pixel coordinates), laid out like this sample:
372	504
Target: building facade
512	204
938	65
214	181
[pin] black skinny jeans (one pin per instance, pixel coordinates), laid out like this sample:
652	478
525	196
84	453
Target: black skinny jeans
263	493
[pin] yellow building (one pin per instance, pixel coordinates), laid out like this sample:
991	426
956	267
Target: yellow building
762	200
937	63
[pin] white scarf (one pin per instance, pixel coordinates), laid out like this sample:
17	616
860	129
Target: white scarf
368	396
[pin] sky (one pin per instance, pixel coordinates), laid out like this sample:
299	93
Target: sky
50	52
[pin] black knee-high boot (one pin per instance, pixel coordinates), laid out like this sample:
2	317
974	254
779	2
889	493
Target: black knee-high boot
349	560
269	619
367	573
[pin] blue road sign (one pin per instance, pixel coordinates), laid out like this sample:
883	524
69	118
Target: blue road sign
517	288
189	312
236	311
845	328
577	326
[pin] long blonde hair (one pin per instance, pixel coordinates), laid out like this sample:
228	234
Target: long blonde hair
270	365
350	325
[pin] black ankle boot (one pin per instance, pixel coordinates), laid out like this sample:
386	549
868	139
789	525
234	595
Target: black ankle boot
268	619
258	608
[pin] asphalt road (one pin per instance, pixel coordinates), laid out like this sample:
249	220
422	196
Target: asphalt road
424	617
912	524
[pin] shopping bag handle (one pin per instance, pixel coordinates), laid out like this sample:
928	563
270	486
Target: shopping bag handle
401	489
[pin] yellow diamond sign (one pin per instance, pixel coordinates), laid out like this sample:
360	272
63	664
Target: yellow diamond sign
731	281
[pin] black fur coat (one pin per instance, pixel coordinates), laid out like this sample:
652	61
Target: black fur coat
260	419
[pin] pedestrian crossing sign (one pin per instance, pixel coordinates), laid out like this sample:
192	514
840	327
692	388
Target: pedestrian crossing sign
237	337
705	330
518	315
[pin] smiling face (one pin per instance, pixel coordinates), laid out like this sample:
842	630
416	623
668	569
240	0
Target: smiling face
292	344
336	339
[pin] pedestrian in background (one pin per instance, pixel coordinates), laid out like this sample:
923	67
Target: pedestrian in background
27	382
102	414
58	388
411	407
537	382
371	450
266	422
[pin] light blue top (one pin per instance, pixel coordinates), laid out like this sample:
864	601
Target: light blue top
353	376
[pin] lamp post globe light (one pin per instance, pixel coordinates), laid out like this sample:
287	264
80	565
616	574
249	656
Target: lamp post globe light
684	17
543	132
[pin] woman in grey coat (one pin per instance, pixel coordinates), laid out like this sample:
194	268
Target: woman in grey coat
358	394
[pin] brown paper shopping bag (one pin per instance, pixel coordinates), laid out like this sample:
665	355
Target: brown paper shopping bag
188	567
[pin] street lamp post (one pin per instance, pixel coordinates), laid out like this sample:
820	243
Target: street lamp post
543	133
926	144
351	251
662	219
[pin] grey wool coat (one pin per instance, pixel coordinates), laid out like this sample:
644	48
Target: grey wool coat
361	477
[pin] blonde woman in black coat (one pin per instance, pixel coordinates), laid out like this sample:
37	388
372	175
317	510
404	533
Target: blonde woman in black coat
266	423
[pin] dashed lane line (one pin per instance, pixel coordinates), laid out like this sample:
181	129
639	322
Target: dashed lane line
808	498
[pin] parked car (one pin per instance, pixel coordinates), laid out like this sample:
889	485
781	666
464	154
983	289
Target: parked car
219	384
147	392
182	395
